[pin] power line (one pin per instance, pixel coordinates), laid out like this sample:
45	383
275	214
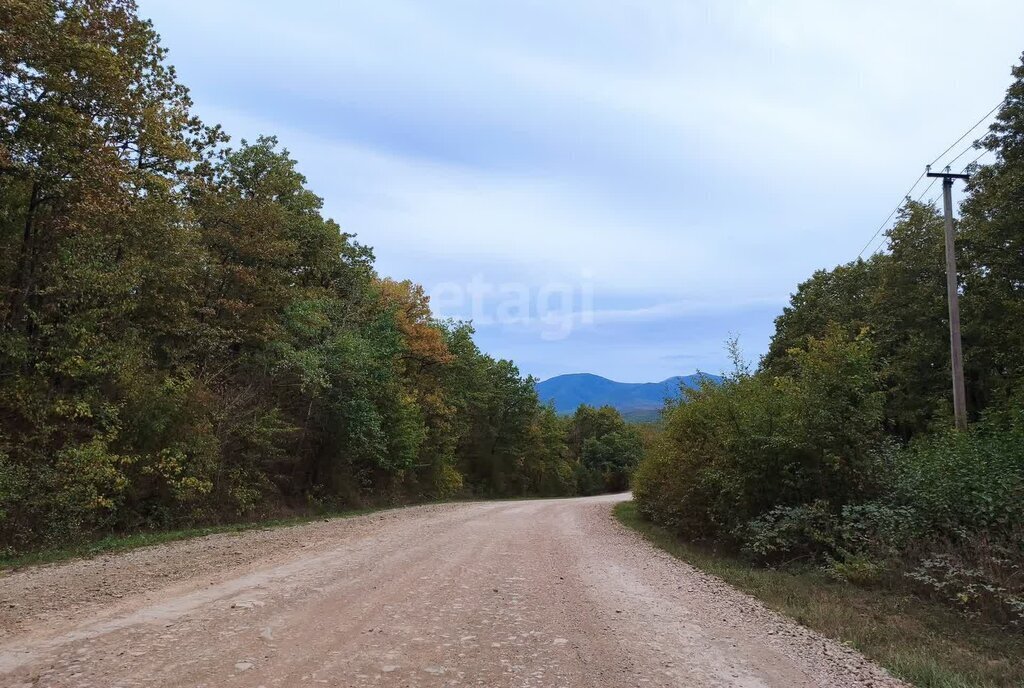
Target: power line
977	158
964	135
971	147
879	246
898	206
905	199
925	192
932	183
949	165
933	163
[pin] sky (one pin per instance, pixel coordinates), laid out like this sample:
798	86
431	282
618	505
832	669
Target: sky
604	186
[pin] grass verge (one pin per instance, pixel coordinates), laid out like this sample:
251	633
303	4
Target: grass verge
919	641
122	543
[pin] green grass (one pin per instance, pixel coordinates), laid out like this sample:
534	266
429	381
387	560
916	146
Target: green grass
917	640
124	542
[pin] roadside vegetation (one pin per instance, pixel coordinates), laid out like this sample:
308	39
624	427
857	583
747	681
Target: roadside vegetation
923	642
834	457
186	340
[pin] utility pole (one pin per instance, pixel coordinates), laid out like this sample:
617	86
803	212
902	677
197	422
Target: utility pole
953	294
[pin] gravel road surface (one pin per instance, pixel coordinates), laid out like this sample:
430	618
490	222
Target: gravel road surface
527	593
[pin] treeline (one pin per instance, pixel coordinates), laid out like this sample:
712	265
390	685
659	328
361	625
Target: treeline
836	451
185	338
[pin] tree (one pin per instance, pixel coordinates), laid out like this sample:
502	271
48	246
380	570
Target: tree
185	338
993	259
898	300
843	295
95	257
604	447
909	322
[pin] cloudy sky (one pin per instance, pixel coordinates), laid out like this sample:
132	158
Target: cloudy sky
608	186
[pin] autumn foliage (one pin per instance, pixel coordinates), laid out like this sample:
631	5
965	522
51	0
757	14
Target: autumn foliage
184	337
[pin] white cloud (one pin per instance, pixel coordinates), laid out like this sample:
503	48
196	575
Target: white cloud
687	156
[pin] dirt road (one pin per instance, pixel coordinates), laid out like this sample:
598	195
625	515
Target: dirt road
533	593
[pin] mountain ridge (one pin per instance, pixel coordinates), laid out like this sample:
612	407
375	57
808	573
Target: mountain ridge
632	399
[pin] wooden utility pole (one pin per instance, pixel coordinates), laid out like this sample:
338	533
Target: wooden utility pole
953	294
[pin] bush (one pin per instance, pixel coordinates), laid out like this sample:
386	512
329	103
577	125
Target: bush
879	529
981	577
945	514
790	533
661	492
966	491
735	451
957	482
857	543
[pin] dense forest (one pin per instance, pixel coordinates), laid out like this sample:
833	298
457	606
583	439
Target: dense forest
185	338
837	450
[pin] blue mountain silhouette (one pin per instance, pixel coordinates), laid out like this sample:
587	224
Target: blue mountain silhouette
632	399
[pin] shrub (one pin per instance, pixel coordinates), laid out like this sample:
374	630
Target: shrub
662	492
966	491
877	530
857	543
735	451
790	533
958	482
981	577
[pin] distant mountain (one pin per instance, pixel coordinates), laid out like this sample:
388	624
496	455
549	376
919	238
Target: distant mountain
634	400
